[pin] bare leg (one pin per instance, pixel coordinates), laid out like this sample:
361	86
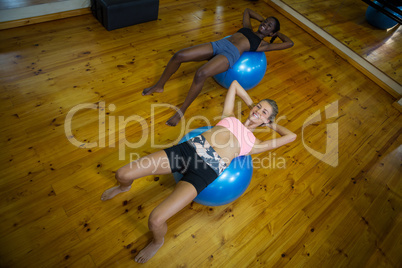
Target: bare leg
216	65
182	195
195	53
156	163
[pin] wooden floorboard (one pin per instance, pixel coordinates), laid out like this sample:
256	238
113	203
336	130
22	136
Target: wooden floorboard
305	213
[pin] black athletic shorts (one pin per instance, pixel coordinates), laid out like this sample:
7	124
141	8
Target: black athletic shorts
183	158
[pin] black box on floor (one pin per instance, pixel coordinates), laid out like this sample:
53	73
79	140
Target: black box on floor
114	14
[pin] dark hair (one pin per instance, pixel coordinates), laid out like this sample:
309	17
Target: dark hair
275	109
277	28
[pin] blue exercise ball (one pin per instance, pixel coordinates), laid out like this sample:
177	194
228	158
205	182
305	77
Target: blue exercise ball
248	70
380	20
230	185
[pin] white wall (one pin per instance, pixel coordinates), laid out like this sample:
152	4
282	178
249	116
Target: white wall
43	9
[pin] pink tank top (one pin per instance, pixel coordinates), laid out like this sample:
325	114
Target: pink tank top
244	136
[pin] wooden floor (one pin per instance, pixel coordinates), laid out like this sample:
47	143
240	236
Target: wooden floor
306	213
346	21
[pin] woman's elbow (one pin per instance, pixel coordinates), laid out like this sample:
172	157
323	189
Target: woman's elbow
235	83
290	44
292	137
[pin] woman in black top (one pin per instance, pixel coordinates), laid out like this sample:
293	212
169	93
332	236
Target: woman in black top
221	55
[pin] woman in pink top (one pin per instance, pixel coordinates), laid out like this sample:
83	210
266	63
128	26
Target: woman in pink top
201	160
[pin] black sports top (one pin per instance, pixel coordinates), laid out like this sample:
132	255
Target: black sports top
252	38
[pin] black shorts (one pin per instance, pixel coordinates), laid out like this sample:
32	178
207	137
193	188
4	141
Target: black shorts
183	158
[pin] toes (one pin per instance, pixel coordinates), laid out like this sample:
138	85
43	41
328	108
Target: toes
139	260
104	196
173	121
145	91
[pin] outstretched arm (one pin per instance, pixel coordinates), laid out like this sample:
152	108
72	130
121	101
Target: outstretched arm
234	90
287	136
248	15
286	43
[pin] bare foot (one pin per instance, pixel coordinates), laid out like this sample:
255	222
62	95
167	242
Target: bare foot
112	192
175	119
148	252
151	90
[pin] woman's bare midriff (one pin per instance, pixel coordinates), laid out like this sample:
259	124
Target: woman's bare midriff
224	142
240	41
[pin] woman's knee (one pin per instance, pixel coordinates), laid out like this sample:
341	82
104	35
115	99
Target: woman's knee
122	175
201	75
155	221
180	56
